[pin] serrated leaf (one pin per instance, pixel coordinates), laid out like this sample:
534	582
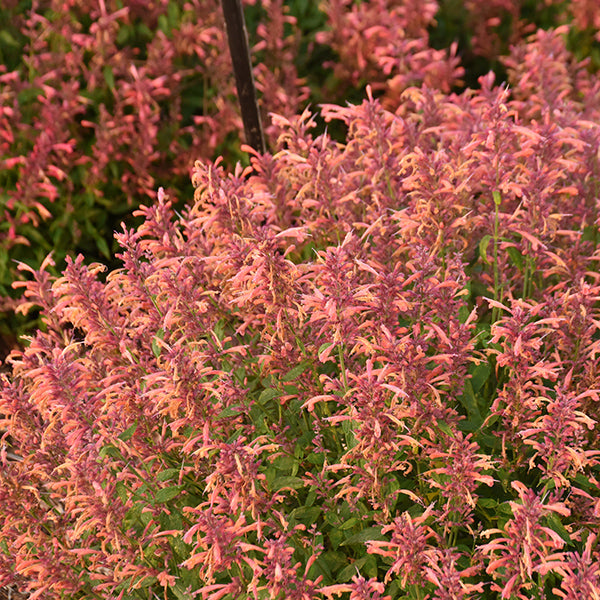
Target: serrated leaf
285	463
321	566
181	592
334	560
240	373
295	372
468	401
487	502
165	494
146	582
168	474
445	427
229	411
324	351
122	491
350	570
133	514
219	329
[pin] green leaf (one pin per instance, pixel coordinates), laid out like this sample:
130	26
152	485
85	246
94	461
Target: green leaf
109	77
179	548
103	247
323	347
219	329
350	571
181	592
229	411
267	395
332	518
307	515
170	520
122	491
584	483
287	482
556	525
128	433
349	523
7	40
109	450
516	257
173	13
590	233
295	372
497	197
168	474
163	24
322	568
28	95
123	35
487	502
146	582
483	245
240	374
366	535
333	561
480	375
445	428
134	513
156	347
463	313
285	463
165	494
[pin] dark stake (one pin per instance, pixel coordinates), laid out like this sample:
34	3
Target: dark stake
240	56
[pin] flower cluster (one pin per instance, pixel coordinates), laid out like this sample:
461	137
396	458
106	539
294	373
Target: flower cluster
363	367
111	99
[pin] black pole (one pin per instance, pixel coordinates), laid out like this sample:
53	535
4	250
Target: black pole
244	80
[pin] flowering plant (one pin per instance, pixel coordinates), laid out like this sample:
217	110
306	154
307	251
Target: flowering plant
362	369
103	101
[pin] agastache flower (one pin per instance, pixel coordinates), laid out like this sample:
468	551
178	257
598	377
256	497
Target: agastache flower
526	546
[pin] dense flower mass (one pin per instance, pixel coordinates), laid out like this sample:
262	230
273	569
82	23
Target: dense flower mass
360	369
372	357
103	101
108	100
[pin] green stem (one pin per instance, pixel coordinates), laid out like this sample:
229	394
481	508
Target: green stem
343	367
497	286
